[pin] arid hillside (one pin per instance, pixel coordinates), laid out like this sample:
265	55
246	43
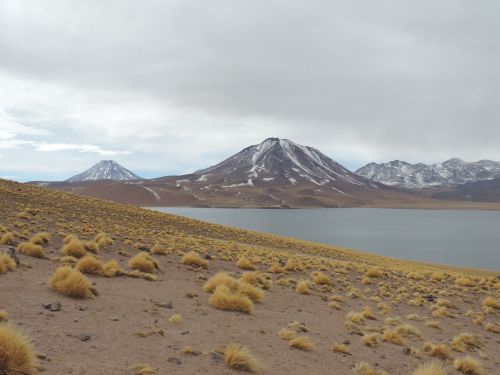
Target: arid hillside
94	287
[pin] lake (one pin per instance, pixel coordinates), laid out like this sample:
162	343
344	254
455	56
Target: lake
462	238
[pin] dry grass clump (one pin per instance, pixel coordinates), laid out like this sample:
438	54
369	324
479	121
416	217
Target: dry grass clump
441	351
371	339
492	327
3	316
31	249
287	334
302	287
221	278
276	268
464	281
319	278
302	343
103	239
340	348
252	292
412	275
90	264
143	262
6	263
142	369
468	365
238	357
245	264
433	324
40	238
91	246
71	283
158	249
176	319
74	247
374	272
465	341
431	368
363	368
7	239
392	336
224	299
490	302
193	259
17	356
111	268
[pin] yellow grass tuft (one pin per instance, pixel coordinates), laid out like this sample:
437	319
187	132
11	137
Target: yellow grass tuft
193	259
302	287
320	278
31	249
221	278
491	302
340	348
392	336
3	316
431	368
363	368
464	281
464	341
492	327
40	238
6	263
468	365
91	246
7	239
142	369
238	357
158	249
287	334
252	292
71	283
111	268
302	343
371	339
90	264
176	319
441	351
245	264
17	356
224	299
74	248
143	262
374	272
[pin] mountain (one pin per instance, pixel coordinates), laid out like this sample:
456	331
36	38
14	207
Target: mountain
477	191
105	170
450	172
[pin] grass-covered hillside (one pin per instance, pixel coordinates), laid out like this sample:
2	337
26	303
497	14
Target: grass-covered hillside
94	287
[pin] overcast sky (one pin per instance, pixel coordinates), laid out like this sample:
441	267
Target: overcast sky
168	87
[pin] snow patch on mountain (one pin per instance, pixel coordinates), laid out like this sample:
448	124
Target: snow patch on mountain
105	170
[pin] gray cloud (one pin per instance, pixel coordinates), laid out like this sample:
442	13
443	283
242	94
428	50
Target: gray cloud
181	84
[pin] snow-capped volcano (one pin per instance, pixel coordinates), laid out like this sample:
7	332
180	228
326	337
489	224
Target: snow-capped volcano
281	162
105	170
450	172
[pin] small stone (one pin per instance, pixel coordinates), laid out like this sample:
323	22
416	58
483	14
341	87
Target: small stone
346	342
185	333
56	306
191	295
114	319
407	351
82	308
174	360
167	305
84	336
41	356
216	357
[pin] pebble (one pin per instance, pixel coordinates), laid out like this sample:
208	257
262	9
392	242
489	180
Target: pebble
167	305
216	357
174	360
84	336
54	306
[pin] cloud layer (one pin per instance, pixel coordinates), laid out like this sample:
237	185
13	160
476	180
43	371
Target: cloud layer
172	86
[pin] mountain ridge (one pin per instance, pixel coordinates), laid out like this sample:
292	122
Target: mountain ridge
105	170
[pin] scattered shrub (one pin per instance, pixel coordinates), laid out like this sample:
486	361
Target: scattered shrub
71	283
193	259
31	249
302	343
40	238
468	365
74	248
6	263
143	262
223	299
302	287
431	368
90	264
17	356
245	264
239	357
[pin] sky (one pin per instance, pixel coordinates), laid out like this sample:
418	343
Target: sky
169	87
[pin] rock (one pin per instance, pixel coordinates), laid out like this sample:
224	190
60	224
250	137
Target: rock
216	357
346	342
114	319
185	333
191	295
41	356
407	351
56	306
430	298
167	305
174	360
84	336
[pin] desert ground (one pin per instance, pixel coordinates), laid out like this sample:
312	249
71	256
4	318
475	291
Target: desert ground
96	287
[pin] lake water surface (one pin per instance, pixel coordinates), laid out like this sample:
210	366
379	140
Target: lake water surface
464	238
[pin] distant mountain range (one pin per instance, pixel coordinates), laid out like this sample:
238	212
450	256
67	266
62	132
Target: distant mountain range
105	170
282	173
450	172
